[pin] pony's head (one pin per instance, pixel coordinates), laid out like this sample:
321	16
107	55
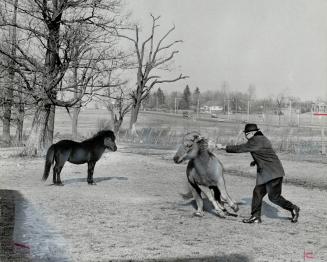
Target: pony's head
193	143
108	139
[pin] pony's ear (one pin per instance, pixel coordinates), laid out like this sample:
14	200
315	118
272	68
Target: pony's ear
198	138
191	135
195	138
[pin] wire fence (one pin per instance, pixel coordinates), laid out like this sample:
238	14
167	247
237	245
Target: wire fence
284	140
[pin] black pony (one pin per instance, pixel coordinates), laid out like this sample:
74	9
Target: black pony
88	151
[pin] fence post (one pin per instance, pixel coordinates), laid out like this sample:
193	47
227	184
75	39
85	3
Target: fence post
323	147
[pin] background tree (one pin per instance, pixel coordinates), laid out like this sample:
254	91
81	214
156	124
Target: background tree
279	103
160	97
171	100
225	96
185	102
105	64
251	92
149	101
9	90
196	100
118	104
151	56
116	99
45	50
196	96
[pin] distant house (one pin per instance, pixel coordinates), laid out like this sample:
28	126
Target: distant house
319	107
212	109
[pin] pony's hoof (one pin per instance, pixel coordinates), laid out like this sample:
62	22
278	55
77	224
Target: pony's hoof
230	214
92	183
59	184
220	214
198	214
235	208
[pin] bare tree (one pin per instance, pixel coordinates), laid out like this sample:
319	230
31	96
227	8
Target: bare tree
8	94
251	92
118	104
279	102
150	56
116	96
46	50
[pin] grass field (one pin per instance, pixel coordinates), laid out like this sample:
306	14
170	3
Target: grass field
136	213
167	129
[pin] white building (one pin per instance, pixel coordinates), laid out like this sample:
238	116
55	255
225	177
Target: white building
212	108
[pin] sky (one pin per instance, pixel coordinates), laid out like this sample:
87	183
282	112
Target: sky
279	46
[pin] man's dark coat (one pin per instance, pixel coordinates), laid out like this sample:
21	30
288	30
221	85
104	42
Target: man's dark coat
268	164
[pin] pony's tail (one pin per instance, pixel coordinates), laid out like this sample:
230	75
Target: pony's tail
48	162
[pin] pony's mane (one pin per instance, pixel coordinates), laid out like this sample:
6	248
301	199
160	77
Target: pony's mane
103	133
100	134
203	144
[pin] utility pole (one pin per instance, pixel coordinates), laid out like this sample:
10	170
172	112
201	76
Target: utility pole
176	106
298	116
236	105
323	147
290	117
248	113
228	108
198	107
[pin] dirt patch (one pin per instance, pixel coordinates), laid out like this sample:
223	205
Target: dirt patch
135	212
309	173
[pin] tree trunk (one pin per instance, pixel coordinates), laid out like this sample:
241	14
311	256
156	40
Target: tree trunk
50	128
117	124
20	116
41	135
134	115
76	112
7	116
20	122
10	90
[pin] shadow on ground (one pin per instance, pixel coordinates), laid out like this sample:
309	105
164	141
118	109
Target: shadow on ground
223	258
24	235
267	209
96	179
9	249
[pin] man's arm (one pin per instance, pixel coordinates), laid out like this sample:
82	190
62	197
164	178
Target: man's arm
249	146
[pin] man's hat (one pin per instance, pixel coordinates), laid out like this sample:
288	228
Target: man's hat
250	128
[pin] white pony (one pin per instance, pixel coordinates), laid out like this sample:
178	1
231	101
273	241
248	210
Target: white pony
204	174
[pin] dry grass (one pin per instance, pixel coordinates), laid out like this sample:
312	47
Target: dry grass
167	129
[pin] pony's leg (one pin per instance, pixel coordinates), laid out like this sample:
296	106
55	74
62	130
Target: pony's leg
60	159
56	175
219	209
54	178
224	195
216	194
90	170
199	202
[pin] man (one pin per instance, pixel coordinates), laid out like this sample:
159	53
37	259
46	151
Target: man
270	173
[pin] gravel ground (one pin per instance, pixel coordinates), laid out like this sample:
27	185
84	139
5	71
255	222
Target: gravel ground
136	212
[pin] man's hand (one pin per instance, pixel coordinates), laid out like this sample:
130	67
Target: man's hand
220	147
253	163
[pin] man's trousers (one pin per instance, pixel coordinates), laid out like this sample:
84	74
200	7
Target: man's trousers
274	190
